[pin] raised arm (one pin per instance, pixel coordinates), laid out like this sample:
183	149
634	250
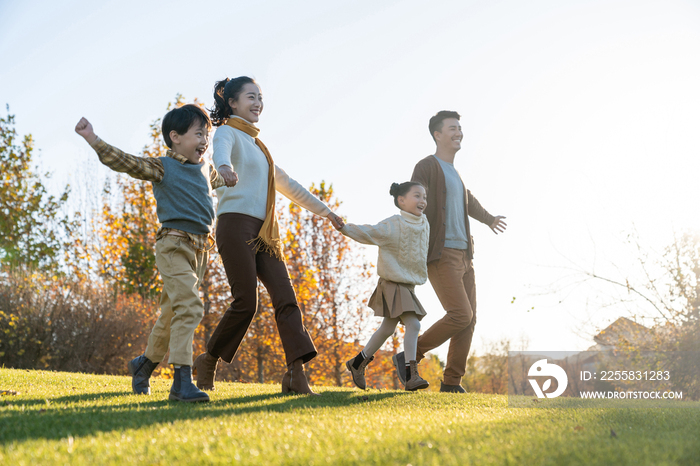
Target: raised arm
141	168
476	211
299	194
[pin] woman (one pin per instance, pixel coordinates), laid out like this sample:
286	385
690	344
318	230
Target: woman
247	235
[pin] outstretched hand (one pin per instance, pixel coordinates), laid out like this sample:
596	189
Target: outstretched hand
498	225
84	128
230	177
337	222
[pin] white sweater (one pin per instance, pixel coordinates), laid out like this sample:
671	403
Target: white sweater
238	150
403	246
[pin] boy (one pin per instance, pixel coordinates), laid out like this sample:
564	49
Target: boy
182	183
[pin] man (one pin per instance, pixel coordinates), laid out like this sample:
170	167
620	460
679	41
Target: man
450	250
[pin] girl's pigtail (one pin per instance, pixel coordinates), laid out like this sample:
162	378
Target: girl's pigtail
395	187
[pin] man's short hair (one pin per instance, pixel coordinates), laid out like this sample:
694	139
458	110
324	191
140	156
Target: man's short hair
181	119
436	121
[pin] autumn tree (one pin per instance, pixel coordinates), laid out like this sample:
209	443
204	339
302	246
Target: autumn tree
431	369
124	249
111	248
663	292
118	245
58	322
215	294
488	372
121	245
333	283
260	357
330	277
30	219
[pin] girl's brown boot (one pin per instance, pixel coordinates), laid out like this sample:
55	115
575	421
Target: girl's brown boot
358	375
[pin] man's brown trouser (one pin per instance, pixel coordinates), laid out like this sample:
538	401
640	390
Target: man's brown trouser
452	278
243	268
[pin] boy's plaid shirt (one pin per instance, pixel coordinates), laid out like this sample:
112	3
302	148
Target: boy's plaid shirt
151	169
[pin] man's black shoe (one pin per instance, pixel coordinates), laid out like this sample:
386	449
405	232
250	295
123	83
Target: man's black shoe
399	360
444	388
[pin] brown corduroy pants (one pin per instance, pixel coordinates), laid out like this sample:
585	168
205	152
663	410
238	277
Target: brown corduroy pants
243	267
452	278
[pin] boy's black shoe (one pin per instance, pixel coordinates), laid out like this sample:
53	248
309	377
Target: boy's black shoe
183	389
141	369
399	360
451	388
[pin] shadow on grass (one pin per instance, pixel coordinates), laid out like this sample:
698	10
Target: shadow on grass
59	419
69	399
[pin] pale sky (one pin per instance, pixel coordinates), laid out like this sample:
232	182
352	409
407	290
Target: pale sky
580	117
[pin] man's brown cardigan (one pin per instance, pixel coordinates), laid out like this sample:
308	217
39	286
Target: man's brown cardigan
429	173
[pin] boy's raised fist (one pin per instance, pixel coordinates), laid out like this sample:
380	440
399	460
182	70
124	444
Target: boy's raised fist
84	128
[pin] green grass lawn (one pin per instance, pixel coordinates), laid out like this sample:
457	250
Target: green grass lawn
65	418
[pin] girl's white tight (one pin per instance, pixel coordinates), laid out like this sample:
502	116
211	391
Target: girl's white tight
386	329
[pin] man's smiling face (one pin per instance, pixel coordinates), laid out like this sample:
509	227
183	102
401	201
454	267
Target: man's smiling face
450	136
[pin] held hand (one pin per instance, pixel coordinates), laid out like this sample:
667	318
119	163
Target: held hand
84	128
230	177
336	221
498	225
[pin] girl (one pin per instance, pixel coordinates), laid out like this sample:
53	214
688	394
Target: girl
248	238
402	264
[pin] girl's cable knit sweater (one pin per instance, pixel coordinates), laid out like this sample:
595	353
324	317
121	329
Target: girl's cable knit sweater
403	246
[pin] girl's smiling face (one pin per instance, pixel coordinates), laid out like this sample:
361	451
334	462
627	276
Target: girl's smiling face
249	104
414	202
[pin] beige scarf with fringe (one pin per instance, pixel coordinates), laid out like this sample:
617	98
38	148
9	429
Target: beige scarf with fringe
268	239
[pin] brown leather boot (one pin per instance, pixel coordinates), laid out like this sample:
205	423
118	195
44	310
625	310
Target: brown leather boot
285	381
358	375
205	369
294	380
416	382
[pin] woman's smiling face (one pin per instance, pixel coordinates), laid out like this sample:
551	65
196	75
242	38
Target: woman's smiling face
249	104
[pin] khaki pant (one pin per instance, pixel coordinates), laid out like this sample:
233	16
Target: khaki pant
182	268
452	278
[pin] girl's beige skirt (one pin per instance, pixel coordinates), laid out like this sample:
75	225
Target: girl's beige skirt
392	299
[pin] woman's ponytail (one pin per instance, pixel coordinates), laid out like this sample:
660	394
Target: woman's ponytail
221	110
